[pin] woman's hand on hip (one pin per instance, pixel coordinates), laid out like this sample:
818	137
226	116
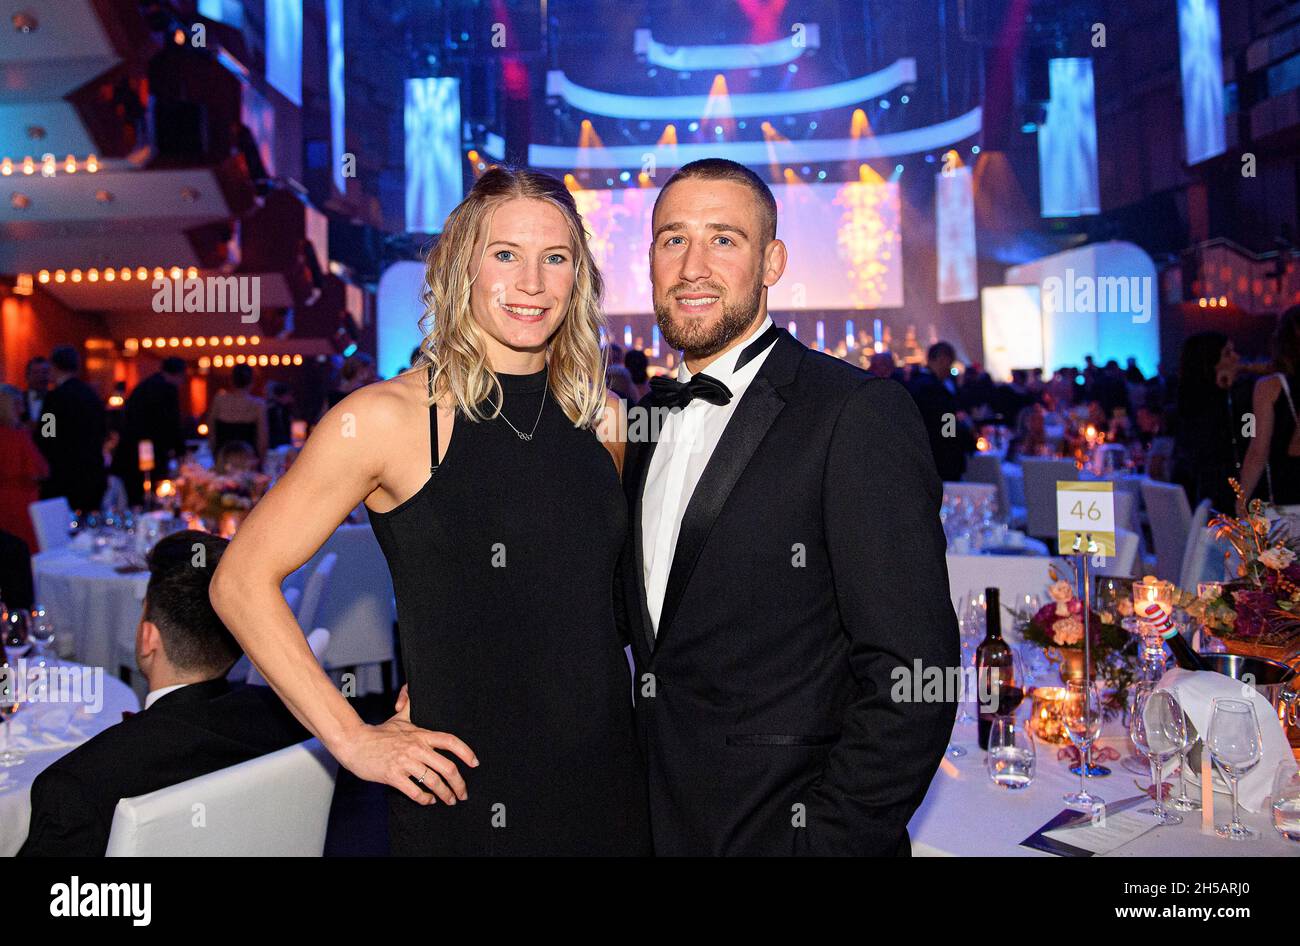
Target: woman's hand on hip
410	759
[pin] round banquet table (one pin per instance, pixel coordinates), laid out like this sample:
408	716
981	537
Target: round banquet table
61	728
965	814
92	604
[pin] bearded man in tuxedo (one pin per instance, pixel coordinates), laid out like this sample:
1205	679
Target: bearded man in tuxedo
785	559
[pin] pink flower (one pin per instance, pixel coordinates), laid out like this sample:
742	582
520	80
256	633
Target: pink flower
1067	631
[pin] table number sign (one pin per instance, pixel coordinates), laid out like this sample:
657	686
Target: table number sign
1085	510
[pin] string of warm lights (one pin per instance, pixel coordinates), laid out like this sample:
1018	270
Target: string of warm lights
192	341
260	361
48	165
1212	302
111	274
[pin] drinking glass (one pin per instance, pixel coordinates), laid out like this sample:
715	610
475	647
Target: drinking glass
8	706
1286	800
1191	737
40	629
1011	755
1158	732
16	640
1082	717
1236	746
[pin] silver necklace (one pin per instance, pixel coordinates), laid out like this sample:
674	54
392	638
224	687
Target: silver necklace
519	433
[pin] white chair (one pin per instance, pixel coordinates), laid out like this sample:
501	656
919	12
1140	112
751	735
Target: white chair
276	805
315	589
318	640
1041	477
50	519
1202	557
357	606
987	468
1170	517
1124	562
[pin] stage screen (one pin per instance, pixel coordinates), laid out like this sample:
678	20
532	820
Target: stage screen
433	175
1201	64
1067	142
1013	329
955	226
284	47
843	240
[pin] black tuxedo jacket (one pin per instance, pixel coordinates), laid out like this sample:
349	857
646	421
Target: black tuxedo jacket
809	565
189	732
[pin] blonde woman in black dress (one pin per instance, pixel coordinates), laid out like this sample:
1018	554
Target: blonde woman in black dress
499	510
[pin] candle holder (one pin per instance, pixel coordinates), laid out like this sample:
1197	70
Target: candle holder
1151	590
1046	718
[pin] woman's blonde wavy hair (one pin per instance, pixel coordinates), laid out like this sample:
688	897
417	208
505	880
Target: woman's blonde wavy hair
453	341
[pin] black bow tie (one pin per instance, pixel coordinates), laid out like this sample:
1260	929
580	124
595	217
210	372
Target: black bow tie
671	393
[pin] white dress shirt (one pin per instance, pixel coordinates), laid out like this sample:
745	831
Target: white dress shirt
686	441
153	696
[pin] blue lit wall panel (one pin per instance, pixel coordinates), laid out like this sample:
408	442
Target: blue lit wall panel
334	39
433	173
1201	61
284	47
1067	142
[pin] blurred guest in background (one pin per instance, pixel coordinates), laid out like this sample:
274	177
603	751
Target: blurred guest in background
637	364
279	414
193	722
1110	389
153	413
236	456
882	365
358	370
38	385
1208	442
1271	469
71	435
236	415
1031	434
619	380
21	469
935	392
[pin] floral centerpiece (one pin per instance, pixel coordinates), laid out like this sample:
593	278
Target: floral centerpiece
1258	614
213	496
1058	628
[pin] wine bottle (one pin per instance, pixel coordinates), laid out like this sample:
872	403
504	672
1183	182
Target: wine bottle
1184	656
998	693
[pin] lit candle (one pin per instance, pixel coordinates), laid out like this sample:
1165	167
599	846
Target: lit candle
146	455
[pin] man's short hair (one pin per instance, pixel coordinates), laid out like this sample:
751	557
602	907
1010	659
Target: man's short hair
65	358
242	376
173	365
176	600
941	350
721	169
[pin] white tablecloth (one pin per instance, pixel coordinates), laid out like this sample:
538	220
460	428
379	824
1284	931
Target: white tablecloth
1013	575
16	781
965	814
92	606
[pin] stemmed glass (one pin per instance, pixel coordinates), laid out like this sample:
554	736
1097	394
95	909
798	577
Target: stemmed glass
1185	802
16	640
1236	746
1286	800
1081	715
1158	732
41	631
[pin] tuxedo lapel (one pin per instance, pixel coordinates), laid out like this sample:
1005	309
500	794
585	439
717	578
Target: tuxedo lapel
755	413
639	455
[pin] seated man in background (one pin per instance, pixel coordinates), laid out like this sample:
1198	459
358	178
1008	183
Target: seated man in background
193	722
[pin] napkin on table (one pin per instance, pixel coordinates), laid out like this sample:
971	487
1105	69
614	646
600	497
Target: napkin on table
1196	689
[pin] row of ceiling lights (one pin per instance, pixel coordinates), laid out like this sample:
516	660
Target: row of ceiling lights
110	274
49	165
198	341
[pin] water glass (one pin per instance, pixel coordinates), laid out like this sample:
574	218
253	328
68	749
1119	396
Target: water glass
1011	756
1159	733
1236	747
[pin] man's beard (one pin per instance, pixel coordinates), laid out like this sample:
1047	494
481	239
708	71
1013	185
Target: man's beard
696	339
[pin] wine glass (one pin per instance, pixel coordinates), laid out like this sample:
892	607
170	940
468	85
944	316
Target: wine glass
40	629
1011	756
1158	732
1191	737
8	706
1236	746
1082	717
16	640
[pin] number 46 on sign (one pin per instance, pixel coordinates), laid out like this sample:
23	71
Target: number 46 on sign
1085	510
